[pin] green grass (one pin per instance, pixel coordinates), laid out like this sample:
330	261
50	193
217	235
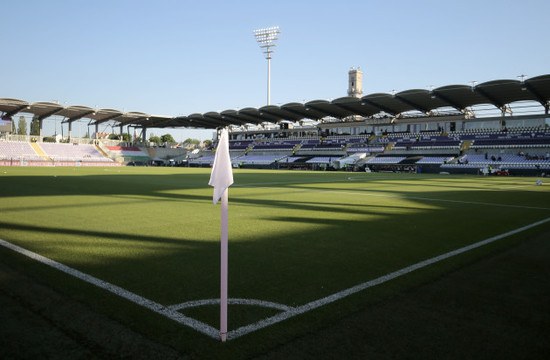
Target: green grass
294	237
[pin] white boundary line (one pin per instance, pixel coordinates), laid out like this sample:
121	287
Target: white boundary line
288	312
342	294
251	302
149	304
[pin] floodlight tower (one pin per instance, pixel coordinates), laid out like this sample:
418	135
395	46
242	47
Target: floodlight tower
266	39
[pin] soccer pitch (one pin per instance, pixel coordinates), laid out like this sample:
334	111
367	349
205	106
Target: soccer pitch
295	238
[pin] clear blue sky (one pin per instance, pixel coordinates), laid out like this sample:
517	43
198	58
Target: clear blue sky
183	57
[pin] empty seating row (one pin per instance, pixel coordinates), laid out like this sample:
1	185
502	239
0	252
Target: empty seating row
321	160
530	166
258	159
50	151
72	152
18	151
434	160
386	160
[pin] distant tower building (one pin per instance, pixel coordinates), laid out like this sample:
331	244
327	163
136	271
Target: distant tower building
355	85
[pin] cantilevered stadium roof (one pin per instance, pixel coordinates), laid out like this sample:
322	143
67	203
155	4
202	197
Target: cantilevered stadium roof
497	93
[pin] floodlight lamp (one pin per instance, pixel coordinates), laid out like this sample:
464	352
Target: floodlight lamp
266	40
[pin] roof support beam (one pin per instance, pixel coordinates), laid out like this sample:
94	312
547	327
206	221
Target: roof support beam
382	108
448	101
160	124
533	91
410	103
333	114
97	122
16	110
234	118
492	100
78	117
278	116
47	115
216	122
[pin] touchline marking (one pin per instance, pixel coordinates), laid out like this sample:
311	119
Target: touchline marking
137	299
171	312
342	294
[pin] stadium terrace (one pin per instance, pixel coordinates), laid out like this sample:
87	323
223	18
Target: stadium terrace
500	126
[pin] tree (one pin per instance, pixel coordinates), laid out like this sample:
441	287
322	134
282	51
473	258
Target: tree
167	138
35	126
155	139
207	143
126	137
190	141
22	126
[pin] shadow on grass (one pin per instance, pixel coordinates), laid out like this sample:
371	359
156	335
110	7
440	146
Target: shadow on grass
309	248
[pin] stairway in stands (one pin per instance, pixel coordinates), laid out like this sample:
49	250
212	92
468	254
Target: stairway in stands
98	148
466	145
39	151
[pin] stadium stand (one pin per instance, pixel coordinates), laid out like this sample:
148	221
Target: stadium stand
128	154
430	131
434	160
73	152
258	159
18	151
128	151
386	160
320	160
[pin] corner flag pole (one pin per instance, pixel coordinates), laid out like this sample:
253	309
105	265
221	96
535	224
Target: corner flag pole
221	178
224	262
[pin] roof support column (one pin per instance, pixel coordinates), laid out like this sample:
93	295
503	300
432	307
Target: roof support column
40	124
96	130
121	131
70	129
144	133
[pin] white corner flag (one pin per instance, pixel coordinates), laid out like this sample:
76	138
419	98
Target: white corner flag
221	178
222	174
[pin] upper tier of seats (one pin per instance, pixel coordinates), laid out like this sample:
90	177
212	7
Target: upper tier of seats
403	141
